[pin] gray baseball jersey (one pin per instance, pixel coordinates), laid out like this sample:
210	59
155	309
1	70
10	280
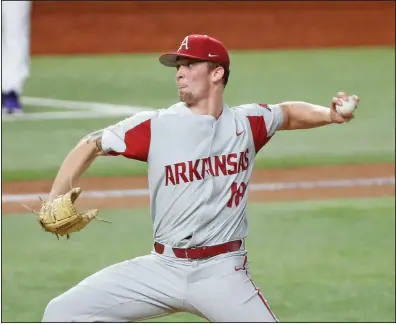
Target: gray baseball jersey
199	167
199	171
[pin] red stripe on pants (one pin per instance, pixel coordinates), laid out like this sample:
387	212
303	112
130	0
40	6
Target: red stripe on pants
257	289
261	296
265	303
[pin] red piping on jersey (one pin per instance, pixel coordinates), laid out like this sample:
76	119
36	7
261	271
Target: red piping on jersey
259	131
265	106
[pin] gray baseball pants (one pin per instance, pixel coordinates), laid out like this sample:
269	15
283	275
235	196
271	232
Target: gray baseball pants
218	289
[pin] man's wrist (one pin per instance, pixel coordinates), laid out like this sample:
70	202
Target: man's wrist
329	116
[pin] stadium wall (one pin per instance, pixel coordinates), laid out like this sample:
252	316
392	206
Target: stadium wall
101	27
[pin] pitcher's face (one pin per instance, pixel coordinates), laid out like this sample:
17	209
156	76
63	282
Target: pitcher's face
193	80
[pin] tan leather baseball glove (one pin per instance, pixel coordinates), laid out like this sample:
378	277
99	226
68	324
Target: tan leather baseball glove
61	217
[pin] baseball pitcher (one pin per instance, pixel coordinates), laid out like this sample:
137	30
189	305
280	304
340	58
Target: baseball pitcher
200	155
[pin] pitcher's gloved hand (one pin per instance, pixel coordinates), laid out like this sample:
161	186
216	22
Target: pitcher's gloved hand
61	217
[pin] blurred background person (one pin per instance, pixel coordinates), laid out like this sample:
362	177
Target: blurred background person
15	30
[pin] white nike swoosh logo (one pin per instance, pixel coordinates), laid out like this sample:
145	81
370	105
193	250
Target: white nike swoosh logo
212	55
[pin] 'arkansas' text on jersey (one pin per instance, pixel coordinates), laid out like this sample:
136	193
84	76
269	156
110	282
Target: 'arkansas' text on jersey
193	170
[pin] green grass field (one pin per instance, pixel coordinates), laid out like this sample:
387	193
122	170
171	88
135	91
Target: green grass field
315	261
270	77
325	261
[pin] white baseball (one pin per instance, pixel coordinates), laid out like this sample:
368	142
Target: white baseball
348	106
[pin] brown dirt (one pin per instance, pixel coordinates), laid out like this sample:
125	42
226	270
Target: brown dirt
259	176
96	27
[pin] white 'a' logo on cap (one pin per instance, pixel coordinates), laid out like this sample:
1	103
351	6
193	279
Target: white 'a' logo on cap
184	43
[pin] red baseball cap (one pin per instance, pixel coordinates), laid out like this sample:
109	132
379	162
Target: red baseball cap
201	47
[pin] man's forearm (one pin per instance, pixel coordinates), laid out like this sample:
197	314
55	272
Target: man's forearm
74	165
77	162
302	115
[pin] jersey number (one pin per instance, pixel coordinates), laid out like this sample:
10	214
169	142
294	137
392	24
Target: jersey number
237	194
